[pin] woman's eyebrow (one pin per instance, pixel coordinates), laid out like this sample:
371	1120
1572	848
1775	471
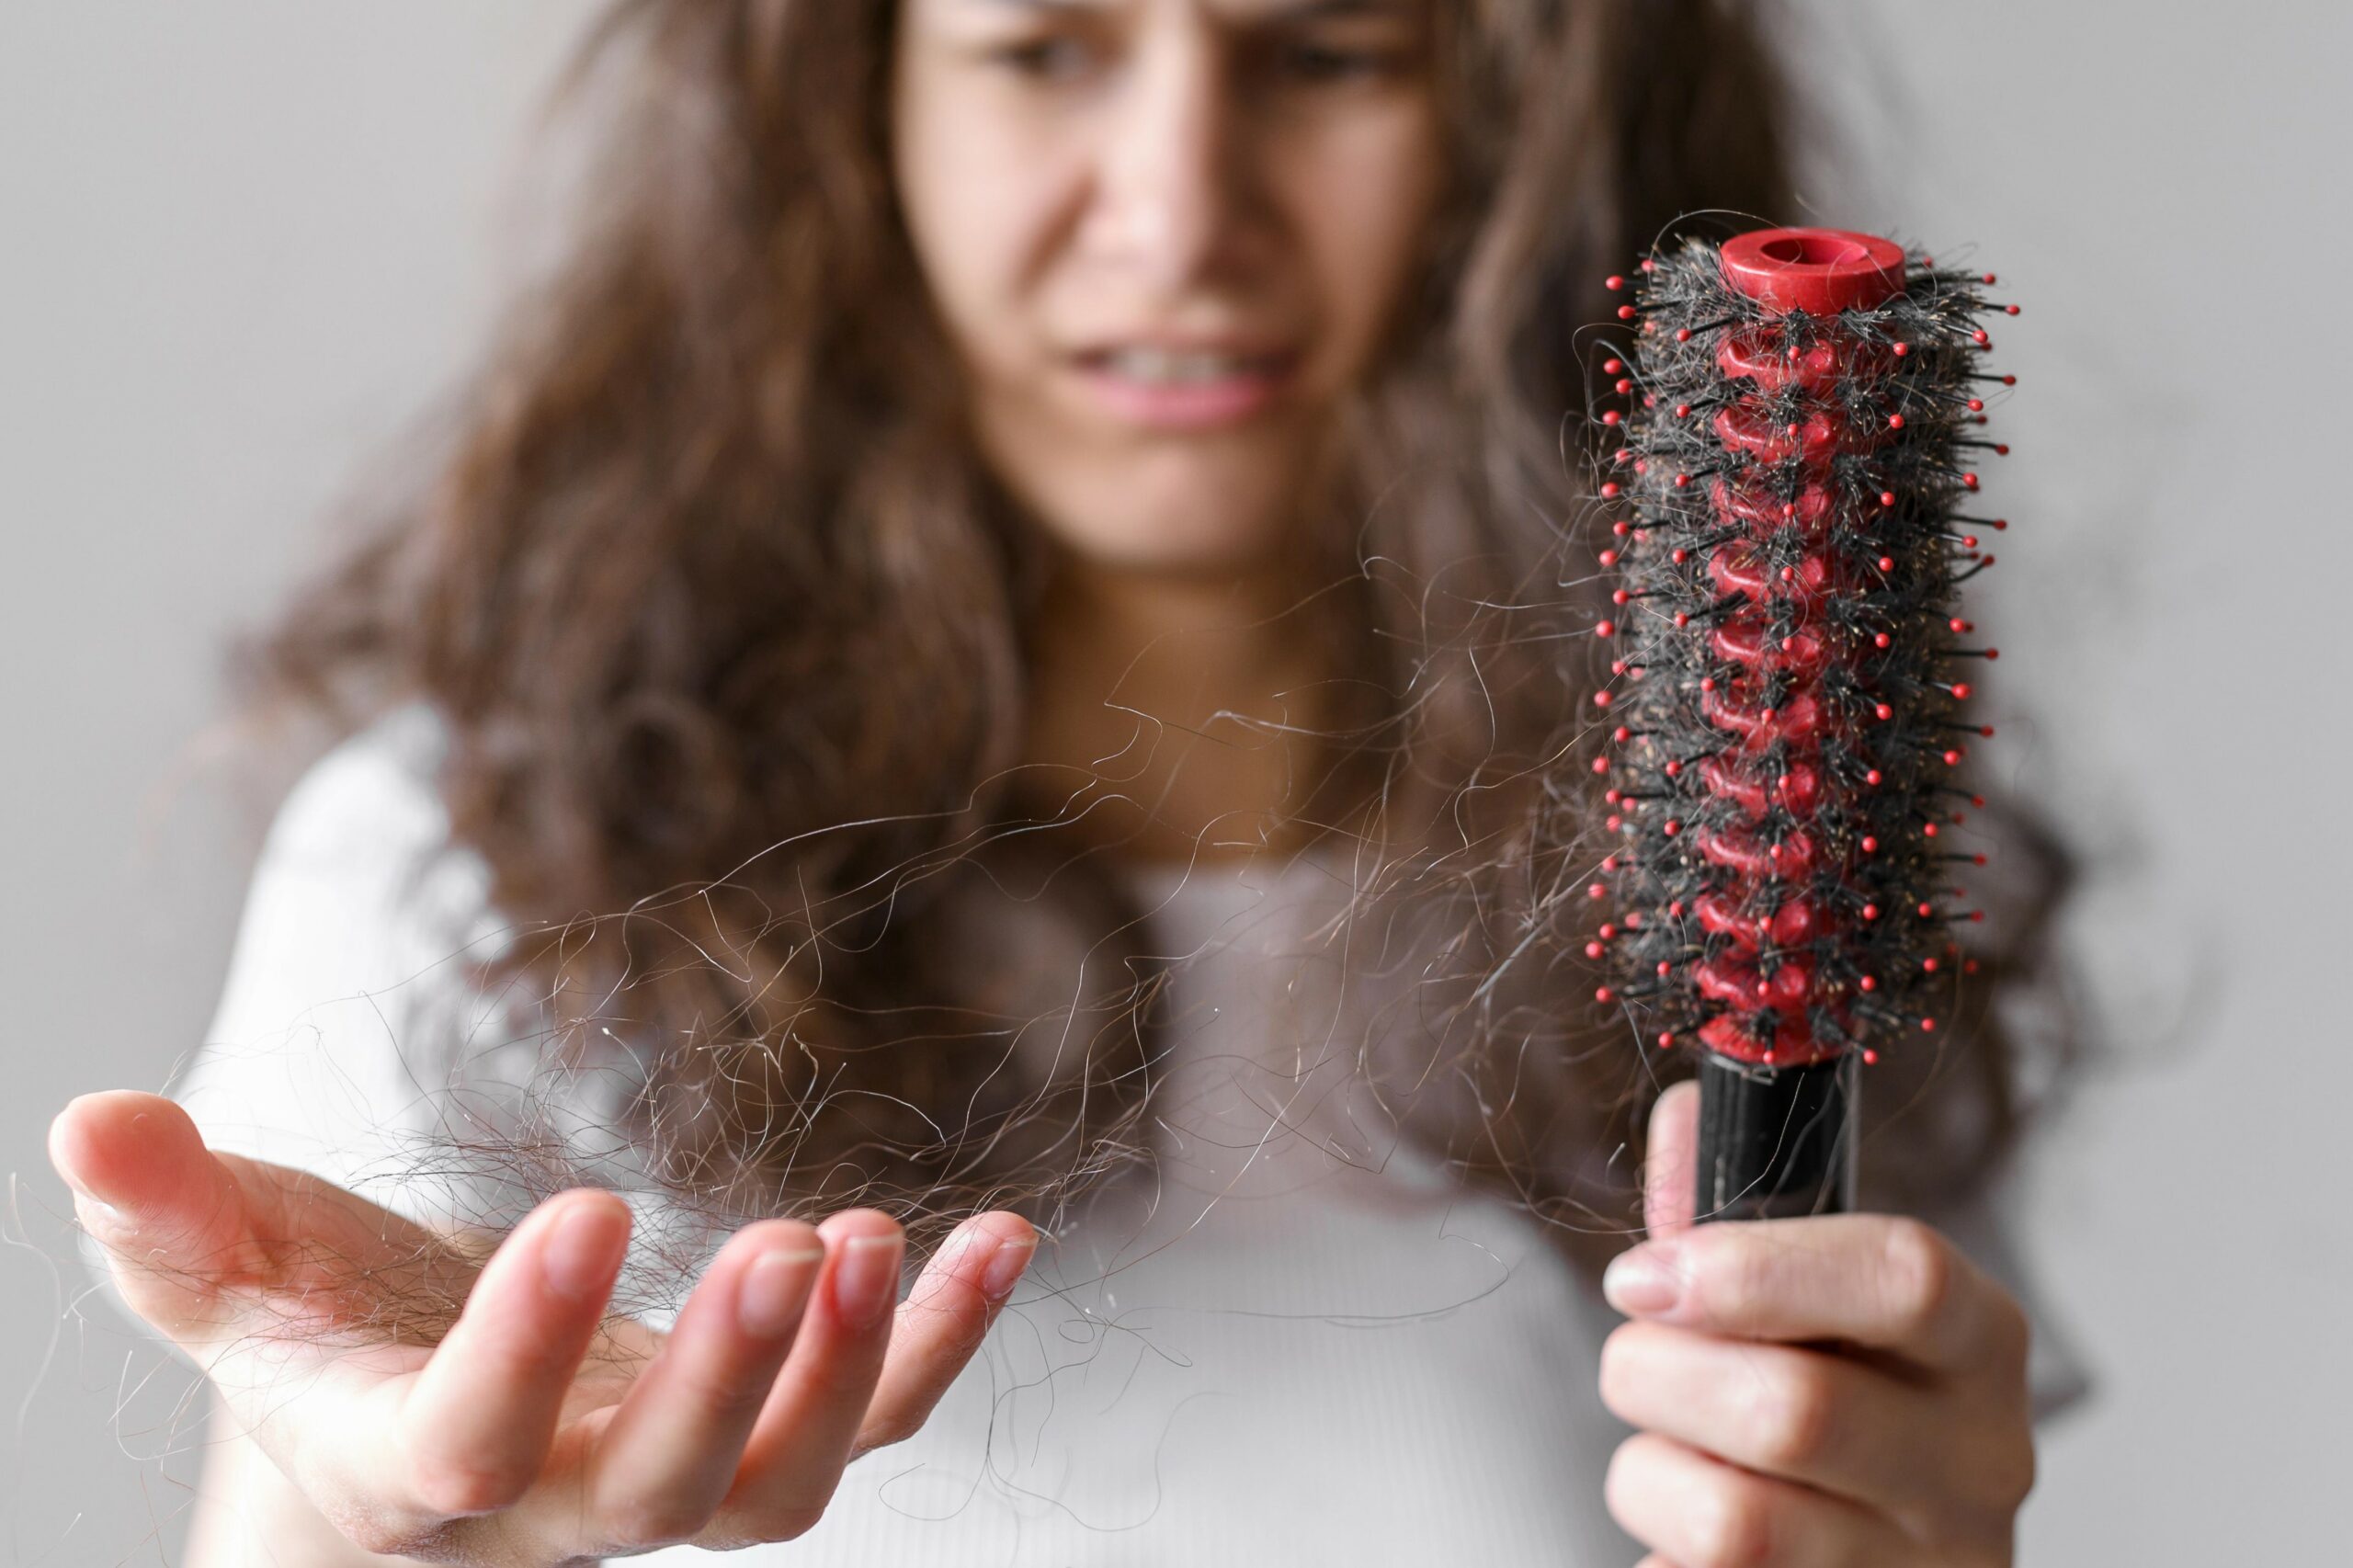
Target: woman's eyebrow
1278	11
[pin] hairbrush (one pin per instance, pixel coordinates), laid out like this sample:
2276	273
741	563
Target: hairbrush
1800	422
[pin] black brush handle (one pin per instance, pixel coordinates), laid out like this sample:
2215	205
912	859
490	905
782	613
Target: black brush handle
1776	1141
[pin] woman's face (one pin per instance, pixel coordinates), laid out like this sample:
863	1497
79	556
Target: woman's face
1165	236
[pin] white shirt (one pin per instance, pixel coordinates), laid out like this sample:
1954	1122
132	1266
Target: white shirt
1289	1341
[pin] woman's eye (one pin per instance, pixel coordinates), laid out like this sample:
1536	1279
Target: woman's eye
1315	63
1044	59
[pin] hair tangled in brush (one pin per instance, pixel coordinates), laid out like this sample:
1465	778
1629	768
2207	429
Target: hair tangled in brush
1787	711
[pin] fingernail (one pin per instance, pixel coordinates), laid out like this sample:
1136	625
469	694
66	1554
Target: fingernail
866	1282
90	1206
89	1203
774	1289
1642	1281
581	1258
1005	1270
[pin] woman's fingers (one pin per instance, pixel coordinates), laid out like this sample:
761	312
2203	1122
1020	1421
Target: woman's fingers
944	1320
1885	1281
475	1425
672	1450
1670	1180
1824	1421
1699	1512
804	1435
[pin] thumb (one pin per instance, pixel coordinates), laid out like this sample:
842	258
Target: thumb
172	1218
1670	1175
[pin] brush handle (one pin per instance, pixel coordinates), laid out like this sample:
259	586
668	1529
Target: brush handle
1774	1141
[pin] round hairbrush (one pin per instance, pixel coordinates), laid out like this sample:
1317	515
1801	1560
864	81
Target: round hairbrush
1799	413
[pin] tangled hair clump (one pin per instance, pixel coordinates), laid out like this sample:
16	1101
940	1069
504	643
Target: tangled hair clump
725	623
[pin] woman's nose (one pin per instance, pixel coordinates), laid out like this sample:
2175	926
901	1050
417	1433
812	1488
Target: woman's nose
1168	194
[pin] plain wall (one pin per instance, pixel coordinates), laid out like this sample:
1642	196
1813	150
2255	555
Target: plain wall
245	242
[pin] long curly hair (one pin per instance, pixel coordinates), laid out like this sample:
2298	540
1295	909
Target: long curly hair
725	622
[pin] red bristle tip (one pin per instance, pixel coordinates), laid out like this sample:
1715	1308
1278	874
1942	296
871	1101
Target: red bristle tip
1614	281
1895	422
1603	994
1870	1057
1627	312
1612	366
1606	629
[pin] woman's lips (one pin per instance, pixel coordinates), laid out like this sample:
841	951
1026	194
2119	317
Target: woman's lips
1182	389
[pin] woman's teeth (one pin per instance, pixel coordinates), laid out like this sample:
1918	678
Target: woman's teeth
1161	367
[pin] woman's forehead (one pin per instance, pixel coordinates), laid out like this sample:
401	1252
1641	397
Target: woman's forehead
1244	11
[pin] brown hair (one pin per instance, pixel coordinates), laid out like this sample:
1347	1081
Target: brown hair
725	623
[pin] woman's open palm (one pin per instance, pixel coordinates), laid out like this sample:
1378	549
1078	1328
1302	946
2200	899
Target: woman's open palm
533	1431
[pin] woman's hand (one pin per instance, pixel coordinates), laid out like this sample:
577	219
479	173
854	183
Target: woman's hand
1844	1392
528	1434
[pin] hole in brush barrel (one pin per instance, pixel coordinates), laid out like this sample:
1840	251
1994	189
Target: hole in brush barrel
1812	249
1819	271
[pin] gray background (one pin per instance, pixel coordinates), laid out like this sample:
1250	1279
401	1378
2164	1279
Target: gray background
247	241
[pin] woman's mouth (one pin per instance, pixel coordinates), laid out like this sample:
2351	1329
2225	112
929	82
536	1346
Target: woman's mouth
1183	388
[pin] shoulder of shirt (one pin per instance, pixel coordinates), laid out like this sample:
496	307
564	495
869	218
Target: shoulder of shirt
373	798
357	889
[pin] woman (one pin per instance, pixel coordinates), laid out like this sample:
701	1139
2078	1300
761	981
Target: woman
1010	495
